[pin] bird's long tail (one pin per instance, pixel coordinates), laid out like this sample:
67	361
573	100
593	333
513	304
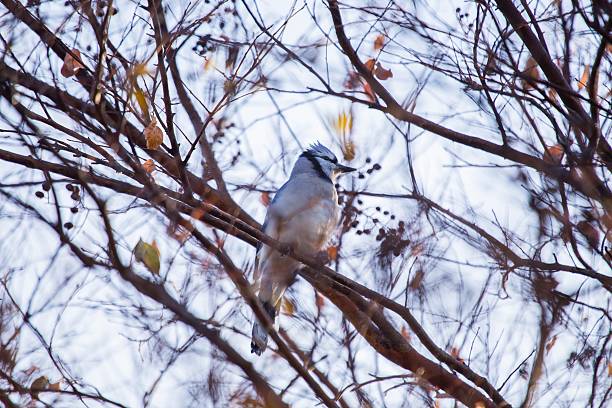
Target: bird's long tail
259	338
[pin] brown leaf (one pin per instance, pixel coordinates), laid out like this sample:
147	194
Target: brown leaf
148	166
54	386
585	77
531	72
153	135
382	73
455	353
265	198
553	154
379	42
71	65
610	369
197	213
417	279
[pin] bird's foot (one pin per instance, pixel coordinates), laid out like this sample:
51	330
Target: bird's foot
285	249
322	257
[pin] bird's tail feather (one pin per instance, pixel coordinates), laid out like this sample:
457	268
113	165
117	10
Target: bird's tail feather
259	338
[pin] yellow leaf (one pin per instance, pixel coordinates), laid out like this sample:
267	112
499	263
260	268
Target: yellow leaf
140	69
148	254
148	166
288	307
142	102
343	124
585	77
153	135
379	42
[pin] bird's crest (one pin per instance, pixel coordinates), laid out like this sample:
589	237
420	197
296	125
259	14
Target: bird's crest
318	150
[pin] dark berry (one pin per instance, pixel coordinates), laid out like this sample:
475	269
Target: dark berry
376	166
46	186
40	194
74	210
69	187
68	225
368	160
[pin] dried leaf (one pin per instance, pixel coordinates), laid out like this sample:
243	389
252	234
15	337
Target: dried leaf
54	386
343	123
332	252
531	72
142	103
552	94
197	213
288	307
140	69
40	383
71	65
551	343
417	280
379	42
479	404
153	135
369	64
382	73
368	90
352	81
585	77
265	198
553	154
148	166
148	254
610	369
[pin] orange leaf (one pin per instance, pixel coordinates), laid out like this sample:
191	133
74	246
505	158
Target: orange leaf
153	135
332	252
71	65
379	42
148	166
553	154
54	386
382	73
368	90
369	64
197	213
265	198
585	77
609	369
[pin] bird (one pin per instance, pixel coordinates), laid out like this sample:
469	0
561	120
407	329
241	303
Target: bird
302	216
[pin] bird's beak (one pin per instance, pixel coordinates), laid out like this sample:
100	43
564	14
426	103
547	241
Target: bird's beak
344	169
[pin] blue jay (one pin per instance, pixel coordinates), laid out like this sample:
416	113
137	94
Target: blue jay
303	214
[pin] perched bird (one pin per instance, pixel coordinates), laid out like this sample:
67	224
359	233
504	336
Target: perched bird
303	215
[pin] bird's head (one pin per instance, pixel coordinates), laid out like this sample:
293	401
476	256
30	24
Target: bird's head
319	160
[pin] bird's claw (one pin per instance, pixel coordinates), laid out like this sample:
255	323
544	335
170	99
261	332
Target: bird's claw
285	249
322	257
